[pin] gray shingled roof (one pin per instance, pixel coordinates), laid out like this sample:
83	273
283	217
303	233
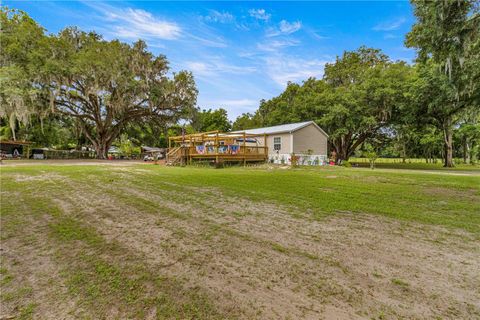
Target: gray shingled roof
284	128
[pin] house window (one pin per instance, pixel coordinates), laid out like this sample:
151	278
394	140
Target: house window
277	143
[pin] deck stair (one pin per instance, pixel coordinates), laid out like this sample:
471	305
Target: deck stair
217	147
175	156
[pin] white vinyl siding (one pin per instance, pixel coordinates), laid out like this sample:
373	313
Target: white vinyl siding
309	138
285	139
277	143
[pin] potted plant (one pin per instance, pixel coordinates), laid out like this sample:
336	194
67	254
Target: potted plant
294	160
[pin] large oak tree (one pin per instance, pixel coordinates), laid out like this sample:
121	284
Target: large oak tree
104	85
446	35
361	92
366	92
210	120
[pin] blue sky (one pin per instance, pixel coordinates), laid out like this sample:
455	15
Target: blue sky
239	52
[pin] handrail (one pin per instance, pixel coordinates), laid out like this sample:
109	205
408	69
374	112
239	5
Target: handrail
216	150
193	135
173	155
212	135
173	150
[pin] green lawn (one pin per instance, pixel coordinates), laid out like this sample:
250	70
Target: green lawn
148	241
415	165
446	200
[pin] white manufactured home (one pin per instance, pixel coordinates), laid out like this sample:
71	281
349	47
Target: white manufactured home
304	139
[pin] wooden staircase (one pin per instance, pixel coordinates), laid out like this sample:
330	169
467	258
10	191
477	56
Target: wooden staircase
175	156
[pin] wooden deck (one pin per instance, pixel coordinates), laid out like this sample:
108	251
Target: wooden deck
217	147
250	153
188	155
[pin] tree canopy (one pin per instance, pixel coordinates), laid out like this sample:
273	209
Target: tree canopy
364	96
361	92
103	85
446	36
210	120
77	88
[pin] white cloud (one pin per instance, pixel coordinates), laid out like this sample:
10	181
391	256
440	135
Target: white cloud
283	69
197	67
133	24
389	36
315	34
225	18
238	103
213	41
216	66
222	17
390	25
234	106
274	45
259	14
137	23
285	28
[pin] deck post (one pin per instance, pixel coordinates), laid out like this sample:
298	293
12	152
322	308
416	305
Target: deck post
265	148
189	153
216	148
169	149
244	150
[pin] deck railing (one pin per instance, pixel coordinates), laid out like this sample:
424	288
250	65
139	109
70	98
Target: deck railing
226	151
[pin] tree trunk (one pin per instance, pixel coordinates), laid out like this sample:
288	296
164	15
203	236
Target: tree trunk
448	139
466	151
102	150
13	134
345	148
101	145
471	154
342	153
342	156
102	141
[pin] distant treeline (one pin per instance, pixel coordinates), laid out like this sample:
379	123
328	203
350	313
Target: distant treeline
75	89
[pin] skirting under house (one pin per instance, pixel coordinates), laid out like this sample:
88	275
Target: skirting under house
301	159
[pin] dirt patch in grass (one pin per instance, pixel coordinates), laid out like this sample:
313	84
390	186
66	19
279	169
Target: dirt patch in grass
31	285
273	262
57	266
470	194
31	282
41	177
250	259
74	162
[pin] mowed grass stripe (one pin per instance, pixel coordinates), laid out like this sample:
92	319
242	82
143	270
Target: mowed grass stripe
401	195
97	217
105	276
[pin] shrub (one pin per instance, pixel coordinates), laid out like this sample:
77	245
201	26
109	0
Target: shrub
346	164
294	160
219	164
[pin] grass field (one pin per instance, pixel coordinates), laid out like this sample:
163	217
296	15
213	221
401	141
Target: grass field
412	164
146	242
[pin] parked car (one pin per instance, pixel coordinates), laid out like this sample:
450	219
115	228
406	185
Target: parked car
148	157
